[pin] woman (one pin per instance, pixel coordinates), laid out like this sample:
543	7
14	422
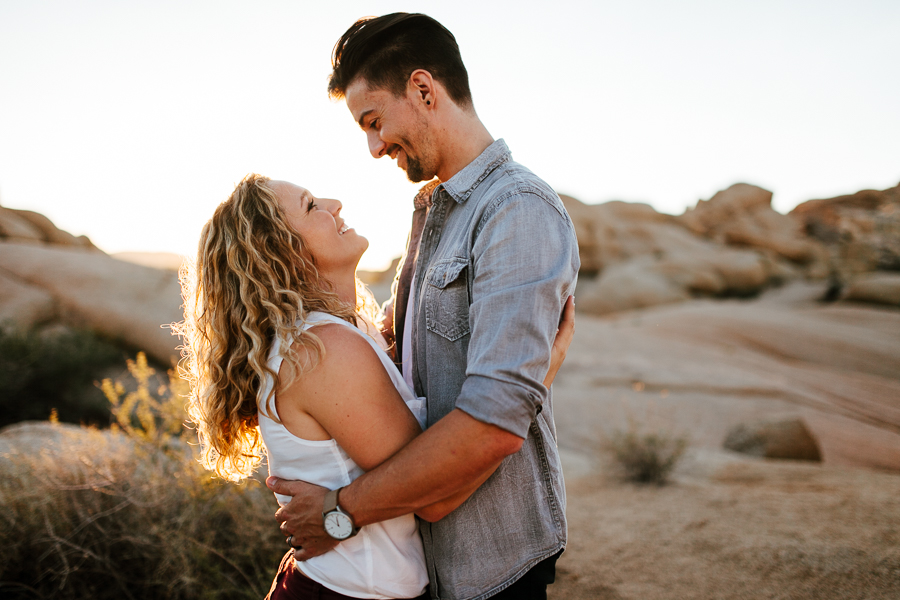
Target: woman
281	343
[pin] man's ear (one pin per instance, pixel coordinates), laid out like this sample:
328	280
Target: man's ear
422	87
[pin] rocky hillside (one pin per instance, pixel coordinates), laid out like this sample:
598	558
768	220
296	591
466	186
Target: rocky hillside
736	245
49	277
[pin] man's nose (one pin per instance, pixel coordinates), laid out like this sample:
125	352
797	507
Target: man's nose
376	145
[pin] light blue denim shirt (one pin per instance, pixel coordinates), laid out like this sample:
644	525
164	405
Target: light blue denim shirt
497	260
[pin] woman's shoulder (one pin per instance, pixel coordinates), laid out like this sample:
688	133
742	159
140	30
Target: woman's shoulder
343	344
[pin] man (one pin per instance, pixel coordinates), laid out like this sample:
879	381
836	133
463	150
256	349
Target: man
490	263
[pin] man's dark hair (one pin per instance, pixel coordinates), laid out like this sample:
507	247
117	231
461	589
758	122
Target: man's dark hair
384	51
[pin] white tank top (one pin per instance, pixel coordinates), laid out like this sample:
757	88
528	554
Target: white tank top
384	560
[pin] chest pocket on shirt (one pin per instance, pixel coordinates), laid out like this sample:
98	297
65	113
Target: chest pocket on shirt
447	299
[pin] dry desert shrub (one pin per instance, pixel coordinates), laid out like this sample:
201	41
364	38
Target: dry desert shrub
644	456
130	513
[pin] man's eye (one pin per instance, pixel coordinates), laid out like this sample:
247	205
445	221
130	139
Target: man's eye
373	124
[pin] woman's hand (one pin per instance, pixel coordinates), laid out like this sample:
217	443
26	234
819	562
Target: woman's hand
387	327
563	339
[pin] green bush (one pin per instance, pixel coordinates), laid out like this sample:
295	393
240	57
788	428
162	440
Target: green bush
129	512
645	457
40	373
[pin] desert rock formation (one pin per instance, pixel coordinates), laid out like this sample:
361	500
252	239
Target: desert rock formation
789	439
702	367
26	226
862	230
742	216
879	287
48	276
734	244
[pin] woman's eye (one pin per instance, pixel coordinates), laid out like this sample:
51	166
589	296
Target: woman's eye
311	205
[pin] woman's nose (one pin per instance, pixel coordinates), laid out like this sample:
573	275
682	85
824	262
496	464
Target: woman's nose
331	205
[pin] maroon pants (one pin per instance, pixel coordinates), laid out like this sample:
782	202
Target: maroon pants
291	584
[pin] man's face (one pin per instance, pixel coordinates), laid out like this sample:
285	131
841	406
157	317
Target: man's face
394	126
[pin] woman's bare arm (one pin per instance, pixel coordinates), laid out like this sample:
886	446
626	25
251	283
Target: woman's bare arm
350	396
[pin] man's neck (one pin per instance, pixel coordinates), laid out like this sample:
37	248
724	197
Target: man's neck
464	137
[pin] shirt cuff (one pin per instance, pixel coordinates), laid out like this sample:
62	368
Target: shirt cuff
508	406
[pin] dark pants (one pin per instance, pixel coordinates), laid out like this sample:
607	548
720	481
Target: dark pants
291	584
533	584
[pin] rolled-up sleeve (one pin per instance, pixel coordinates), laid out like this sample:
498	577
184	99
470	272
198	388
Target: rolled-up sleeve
525	262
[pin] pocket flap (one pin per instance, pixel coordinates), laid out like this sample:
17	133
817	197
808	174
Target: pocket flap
445	271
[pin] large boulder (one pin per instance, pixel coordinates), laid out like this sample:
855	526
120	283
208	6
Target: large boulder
742	216
36	437
50	277
614	232
879	288
627	286
23	305
13	227
29	226
673	277
788	439
90	289
639	258
862	229
716	271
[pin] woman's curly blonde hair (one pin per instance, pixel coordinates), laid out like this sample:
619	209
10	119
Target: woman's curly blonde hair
253	280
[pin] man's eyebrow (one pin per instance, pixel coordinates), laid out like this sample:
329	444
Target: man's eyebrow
362	118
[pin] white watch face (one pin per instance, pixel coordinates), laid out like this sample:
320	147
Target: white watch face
338	525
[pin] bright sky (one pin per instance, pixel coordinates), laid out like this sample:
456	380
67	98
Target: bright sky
130	121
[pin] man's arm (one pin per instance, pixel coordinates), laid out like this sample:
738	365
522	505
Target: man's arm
433	467
461	449
308	493
437	511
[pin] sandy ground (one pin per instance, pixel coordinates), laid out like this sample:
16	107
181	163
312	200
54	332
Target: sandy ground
729	526
734	528
701	367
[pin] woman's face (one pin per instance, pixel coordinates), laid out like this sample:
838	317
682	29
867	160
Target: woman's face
333	244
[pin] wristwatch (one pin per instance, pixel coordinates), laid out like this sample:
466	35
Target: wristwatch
338	524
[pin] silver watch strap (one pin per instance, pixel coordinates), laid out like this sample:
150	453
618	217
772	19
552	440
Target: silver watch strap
331	501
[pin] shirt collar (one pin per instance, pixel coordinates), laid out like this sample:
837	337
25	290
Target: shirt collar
423	198
461	185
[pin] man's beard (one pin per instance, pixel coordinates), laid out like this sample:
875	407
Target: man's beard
415	172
